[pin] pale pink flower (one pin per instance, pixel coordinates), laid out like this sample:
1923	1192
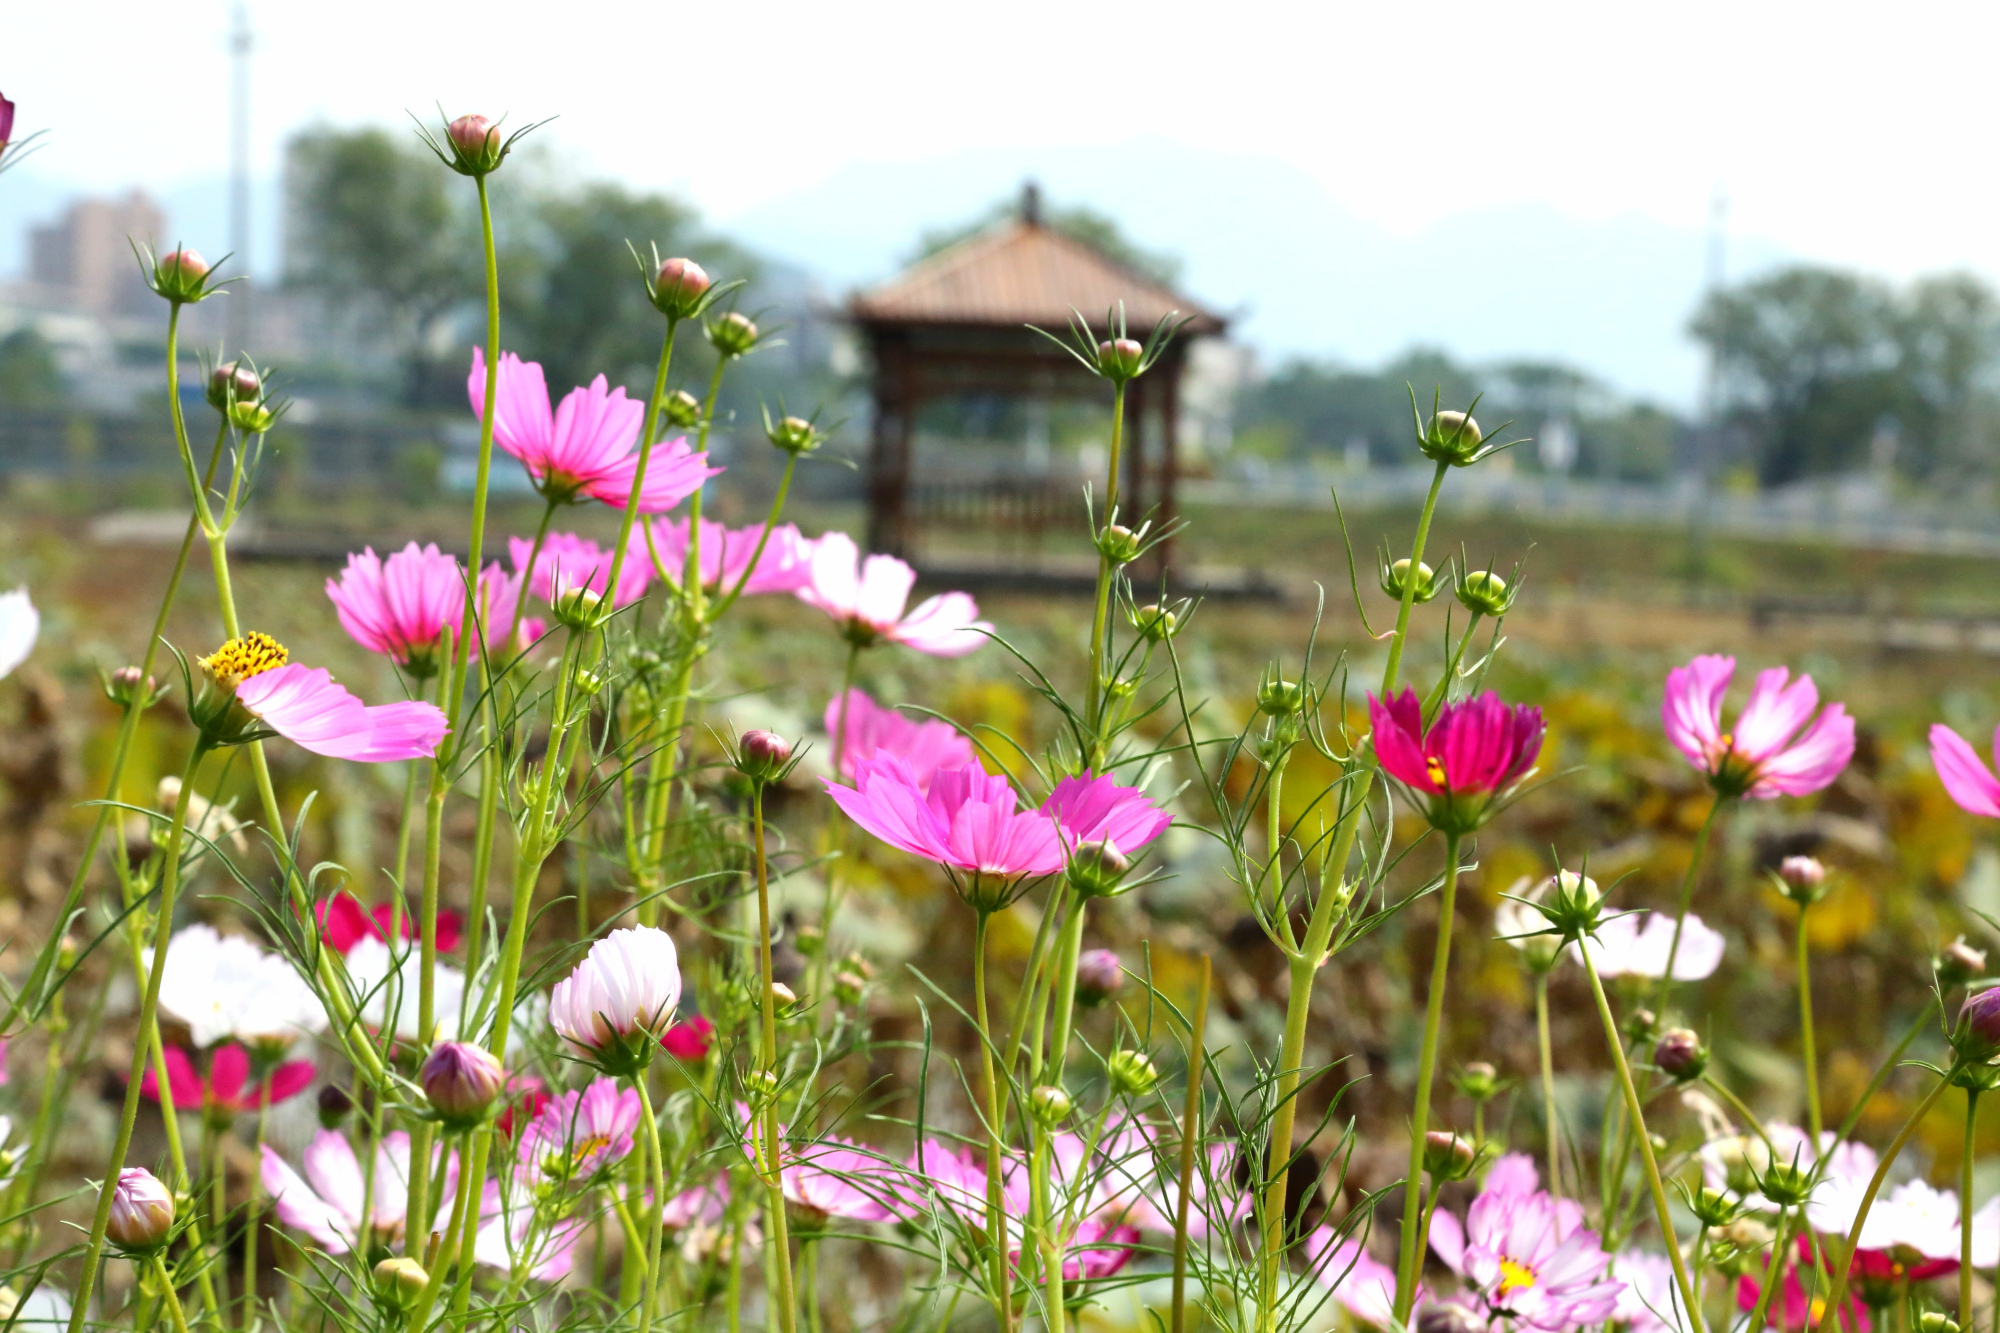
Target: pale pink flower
1966	778
837	1179
579	1132
1651	1301
567	562
784	565
306	707
400	607
509	1240
925	746
868	598
142	1210
1636	944
1766	754
326	1203
589	445
1363	1284
966	818
1527	1254
619	1002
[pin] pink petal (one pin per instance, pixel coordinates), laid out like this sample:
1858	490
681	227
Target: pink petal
1774	712
1812	762
1691	712
306	707
1966	778
299	1207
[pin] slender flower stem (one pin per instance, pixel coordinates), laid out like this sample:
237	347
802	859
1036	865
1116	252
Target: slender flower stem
1190	1136
651	1125
773	1168
168	1298
249	1311
1808	1053
1548	1083
1965	1208
1780	1245
148	1028
1101	605
837	858
1411	1251
1069	950
1688	882
996	1206
438	1262
1636	1113
1392	671
1889	1155
1048	1233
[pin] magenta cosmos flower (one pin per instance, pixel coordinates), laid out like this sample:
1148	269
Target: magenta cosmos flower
619	1003
587	447
1965	776
868	597
254	691
228	1090
925	746
1766	754
567	562
403	606
1526	1254
1470	757
784	565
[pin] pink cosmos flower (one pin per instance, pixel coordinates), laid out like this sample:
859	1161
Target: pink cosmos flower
1965	776
509	1240
925	746
1637	943
688	1040
1527	1254
621	997
1651	1301
1472	754
326	1204
1793	1309
567	562
836	1179
1363	1284
228	1090
1765	755
941	1176
306	707
589	446
1088	808
785	564
966	818
1100	1194
402	606
344	923
579	1132
868	597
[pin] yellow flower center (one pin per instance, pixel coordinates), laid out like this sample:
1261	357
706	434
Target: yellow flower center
594	1143
1515	1277
1435	767
239	659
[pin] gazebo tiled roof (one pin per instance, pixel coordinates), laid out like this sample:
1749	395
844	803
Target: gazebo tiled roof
1023	273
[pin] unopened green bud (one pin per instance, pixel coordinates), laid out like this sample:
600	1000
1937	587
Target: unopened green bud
1713	1208
1396	577
1119	544
1452	437
1479	1080
682	409
1485	593
399	1284
1279	697
1448	1156
795	435
1096	868
1051	1105
1154	623
733	335
1133	1073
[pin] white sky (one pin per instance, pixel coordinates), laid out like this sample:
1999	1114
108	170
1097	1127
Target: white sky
1857	135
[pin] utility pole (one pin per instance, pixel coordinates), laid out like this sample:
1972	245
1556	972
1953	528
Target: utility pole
239	178
1708	434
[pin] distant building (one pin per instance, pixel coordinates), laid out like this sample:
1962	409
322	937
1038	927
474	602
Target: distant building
84	261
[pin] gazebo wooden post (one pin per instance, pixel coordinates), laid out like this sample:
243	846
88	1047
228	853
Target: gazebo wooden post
889	448
1170	459
1132	505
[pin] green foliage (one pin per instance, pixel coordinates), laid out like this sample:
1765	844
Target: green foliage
29	376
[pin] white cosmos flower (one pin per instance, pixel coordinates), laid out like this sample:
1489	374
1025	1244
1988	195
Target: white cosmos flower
627	984
20	625
225	988
1637	944
386	985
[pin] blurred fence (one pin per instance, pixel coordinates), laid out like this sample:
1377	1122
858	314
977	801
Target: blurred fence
1866	510
82	447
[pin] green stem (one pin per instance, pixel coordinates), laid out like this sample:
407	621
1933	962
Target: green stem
1637	1116
1548	1082
1688	882
1780	1245
1190	1135
1807	1051
631	513
1393	670
1101	605
249	1310
169	1298
1069	950
1965	1209
439	1260
657	1213
148	1029
996	1206
772	1169
1411	1252
1049	1233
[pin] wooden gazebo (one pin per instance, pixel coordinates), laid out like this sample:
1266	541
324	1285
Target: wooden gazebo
956	323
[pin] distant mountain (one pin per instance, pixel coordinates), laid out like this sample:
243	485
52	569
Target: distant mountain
1306	276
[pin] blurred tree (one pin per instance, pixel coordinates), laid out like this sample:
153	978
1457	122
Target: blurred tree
378	229
1099	231
1308	407
1948	340
29	376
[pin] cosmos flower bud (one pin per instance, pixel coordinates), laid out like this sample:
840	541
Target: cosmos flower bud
1680	1055
1154	622
1977	1036
399	1284
679	287
1448	1156
475	143
795	435
1448	1317
1096	868
1396	577
1133	1073
128	685
1099	976
251	416
1936	1321
1120	358
1713	1208
1279	697
783	998
233	382
1958	963
142	1211
762	756
1640	1025
577	608
1454	438
1119	544
334	1106
761	1085
1479	1080
461	1081
682	408
809	939
181	276
733	335
848	986
1786	1184
1484	593
1571	904
1802	879
1051	1105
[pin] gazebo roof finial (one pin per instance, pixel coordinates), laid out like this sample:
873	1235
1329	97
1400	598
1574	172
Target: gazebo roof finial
1031	202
